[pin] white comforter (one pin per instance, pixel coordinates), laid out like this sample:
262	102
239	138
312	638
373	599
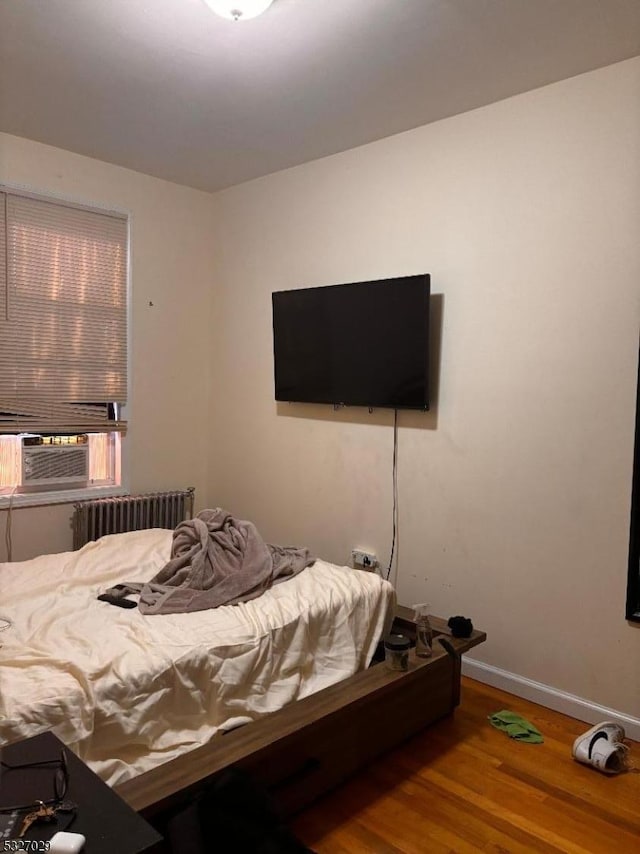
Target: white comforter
127	692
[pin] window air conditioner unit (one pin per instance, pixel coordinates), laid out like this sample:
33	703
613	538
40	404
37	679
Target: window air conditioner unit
53	465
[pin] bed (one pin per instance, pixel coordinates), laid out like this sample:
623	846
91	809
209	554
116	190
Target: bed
155	704
129	692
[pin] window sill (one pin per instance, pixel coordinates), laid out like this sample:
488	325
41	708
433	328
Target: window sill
63	496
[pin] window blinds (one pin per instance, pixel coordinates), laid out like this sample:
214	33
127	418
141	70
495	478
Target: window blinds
63	316
3	258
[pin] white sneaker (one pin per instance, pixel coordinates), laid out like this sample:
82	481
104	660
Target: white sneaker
602	747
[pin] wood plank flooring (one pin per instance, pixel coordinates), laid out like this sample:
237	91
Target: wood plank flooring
462	786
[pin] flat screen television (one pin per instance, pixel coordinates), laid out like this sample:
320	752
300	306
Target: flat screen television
359	344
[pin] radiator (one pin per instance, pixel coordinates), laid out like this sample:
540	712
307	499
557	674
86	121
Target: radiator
93	519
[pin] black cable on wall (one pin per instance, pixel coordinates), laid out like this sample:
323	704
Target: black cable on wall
395	491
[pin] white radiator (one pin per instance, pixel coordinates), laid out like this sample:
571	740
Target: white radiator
93	519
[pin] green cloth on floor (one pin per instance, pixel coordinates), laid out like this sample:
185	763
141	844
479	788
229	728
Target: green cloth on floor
516	727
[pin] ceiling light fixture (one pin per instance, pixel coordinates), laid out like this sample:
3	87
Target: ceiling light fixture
238	10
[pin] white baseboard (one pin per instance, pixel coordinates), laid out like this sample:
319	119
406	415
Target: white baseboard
551	698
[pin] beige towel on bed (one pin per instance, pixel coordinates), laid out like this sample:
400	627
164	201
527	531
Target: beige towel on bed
215	560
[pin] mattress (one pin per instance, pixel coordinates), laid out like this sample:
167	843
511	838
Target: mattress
127	692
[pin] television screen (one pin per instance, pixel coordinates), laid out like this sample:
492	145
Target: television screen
361	344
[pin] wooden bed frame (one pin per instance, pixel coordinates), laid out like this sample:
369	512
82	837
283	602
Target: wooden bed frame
310	746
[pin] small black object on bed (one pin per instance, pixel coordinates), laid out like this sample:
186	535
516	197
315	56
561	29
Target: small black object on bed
118	598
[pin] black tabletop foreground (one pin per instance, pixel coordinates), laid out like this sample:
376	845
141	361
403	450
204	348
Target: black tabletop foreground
107	822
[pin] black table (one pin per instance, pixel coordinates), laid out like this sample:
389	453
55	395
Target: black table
108	823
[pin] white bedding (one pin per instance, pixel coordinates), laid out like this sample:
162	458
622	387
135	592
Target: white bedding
127	692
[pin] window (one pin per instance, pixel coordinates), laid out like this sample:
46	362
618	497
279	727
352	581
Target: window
63	344
633	587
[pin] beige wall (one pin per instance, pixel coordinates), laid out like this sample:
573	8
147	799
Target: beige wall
515	490
172	258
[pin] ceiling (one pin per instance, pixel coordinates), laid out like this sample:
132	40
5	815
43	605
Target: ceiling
167	88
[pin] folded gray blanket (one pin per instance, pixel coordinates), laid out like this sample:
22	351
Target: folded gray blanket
215	560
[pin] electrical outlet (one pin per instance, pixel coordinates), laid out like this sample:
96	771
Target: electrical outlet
366	560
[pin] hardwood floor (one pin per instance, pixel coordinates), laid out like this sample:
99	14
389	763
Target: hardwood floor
462	786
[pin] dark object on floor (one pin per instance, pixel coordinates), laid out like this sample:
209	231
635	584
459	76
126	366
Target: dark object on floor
461	627
234	816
